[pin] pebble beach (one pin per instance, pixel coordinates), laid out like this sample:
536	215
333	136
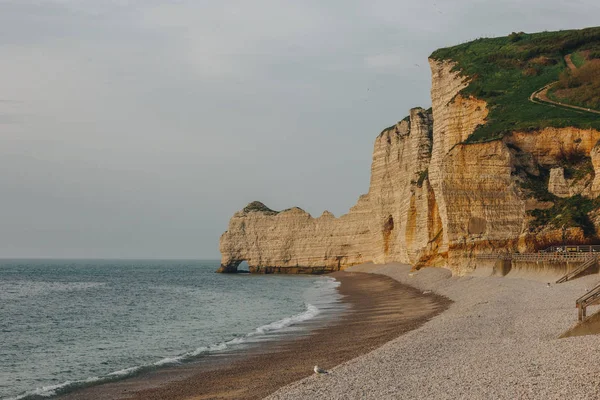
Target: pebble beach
499	339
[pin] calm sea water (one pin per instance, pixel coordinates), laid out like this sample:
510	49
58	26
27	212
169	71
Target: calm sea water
65	324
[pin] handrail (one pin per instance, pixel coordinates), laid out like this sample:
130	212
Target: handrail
587	260
550	257
591	293
569	275
579	248
591	297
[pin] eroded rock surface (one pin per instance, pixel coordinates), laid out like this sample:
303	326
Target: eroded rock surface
433	200
384	225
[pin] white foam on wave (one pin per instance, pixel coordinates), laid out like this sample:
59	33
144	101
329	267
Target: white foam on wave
190	354
329	282
44	391
125	372
51	390
310	313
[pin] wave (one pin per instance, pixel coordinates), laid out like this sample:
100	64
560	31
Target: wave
311	312
329	282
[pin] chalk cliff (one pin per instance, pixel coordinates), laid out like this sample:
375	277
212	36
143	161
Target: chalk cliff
435	199
386	224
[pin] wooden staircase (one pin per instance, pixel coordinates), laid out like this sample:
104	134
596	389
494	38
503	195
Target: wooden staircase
591	297
589	262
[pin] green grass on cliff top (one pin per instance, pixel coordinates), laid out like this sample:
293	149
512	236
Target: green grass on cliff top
505	71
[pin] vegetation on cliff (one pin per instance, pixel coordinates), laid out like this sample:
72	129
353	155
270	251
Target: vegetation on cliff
421	113
568	212
260	207
581	86
505	71
571	211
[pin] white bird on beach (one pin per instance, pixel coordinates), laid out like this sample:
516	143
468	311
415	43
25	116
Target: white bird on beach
319	370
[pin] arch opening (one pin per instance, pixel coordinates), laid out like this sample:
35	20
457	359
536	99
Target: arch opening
243	267
230	268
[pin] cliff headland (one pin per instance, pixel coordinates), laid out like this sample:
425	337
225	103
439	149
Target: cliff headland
490	167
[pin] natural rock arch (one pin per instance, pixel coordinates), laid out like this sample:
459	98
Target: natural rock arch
231	267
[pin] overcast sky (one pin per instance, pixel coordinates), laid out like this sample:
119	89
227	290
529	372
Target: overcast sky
134	129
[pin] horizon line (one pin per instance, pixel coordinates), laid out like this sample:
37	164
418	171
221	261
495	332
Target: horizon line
109	259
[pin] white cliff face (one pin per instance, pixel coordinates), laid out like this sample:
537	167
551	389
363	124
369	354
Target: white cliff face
389	223
398	175
483	207
292	239
455	118
433	200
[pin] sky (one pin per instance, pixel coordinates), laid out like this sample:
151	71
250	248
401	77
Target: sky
135	129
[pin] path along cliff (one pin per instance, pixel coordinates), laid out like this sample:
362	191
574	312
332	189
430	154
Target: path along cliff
540	96
434	199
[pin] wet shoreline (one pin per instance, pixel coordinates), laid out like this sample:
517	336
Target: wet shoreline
379	309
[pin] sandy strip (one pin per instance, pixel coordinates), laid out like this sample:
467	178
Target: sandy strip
498	340
380	310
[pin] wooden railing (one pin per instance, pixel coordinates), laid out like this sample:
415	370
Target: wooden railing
580	248
591	297
534	257
591	261
494	256
586	259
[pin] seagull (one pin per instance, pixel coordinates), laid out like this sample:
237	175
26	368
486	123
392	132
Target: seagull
319	371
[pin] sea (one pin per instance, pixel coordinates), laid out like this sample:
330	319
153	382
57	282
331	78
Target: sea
66	324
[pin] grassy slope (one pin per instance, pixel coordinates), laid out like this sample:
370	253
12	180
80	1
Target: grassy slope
580	87
578	59
505	71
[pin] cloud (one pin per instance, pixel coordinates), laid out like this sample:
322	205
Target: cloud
398	62
147	116
10	112
6	119
236	38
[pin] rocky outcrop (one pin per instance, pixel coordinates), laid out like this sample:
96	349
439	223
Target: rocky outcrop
595	158
396	220
557	185
434	199
292	241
